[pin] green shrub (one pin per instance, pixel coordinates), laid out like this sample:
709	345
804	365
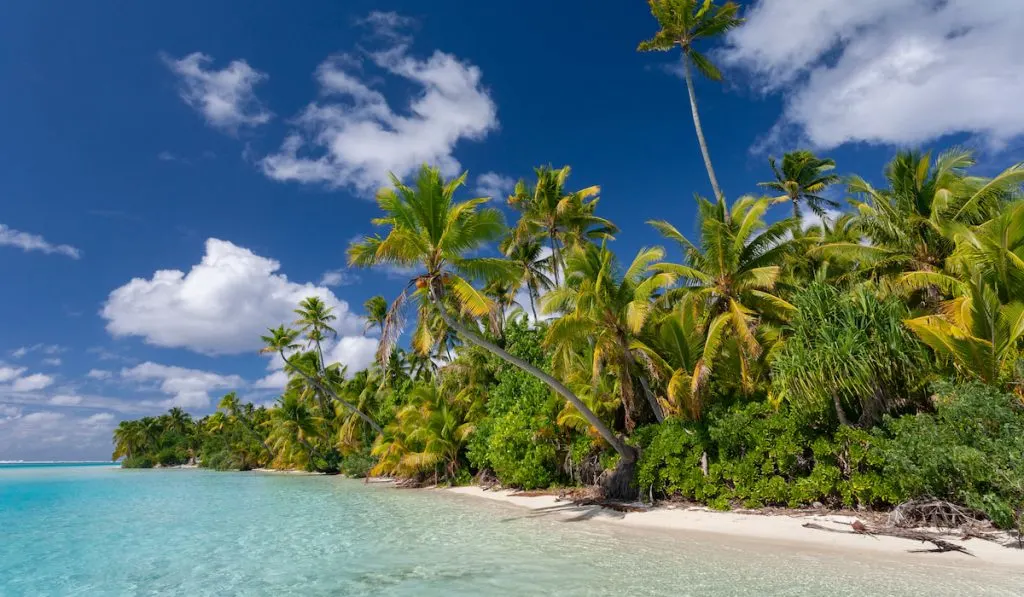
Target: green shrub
357	465
970	451
138	462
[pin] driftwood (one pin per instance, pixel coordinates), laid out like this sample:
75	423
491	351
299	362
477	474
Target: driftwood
941	545
932	513
612	505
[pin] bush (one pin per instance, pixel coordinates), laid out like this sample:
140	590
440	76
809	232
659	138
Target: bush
138	462
970	451
759	456
357	465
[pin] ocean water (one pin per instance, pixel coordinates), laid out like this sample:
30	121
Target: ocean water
99	530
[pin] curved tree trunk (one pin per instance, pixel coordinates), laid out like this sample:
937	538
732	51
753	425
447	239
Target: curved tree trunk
840	413
659	414
627	452
332	394
700	135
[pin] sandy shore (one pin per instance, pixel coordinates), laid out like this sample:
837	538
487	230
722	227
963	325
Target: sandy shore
765	529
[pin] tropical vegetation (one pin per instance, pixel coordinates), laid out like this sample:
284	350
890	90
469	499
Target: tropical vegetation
866	356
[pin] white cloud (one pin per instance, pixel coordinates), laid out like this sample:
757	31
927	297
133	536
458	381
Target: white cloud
49	435
888	71
338	277
494	185
10	373
222	306
272	381
50	349
188	388
52	361
33	242
224	97
99	374
354	352
66	400
387	25
354	138
31	383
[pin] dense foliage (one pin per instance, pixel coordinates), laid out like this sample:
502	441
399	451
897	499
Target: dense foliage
857	360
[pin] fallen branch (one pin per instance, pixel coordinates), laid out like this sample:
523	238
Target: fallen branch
941	545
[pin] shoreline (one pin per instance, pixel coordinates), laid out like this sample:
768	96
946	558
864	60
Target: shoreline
762	529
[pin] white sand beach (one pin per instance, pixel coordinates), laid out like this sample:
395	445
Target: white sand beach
775	529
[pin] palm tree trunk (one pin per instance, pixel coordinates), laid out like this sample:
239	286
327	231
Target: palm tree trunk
840	414
556	258
651	398
533	305
332	394
700	135
627	452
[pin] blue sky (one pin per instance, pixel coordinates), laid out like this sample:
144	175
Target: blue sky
176	176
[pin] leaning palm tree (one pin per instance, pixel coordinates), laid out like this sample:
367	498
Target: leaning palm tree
733	271
281	341
230	405
556	216
683	23
802	179
605	309
292	422
315	319
376	312
425	227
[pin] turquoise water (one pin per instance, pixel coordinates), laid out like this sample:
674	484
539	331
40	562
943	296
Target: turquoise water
98	530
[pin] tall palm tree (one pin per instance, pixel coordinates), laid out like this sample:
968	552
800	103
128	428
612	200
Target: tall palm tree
802	179
559	217
684	23
282	341
532	267
733	272
376	312
293	422
315	319
606	309
129	439
426	227
672	350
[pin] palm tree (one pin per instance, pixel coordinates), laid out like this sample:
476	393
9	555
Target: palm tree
978	334
672	350
606	309
802	179
233	407
683	23
532	267
376	312
733	273
992	251
561	218
292	422
282	341
315	319
426	227
129	439
908	222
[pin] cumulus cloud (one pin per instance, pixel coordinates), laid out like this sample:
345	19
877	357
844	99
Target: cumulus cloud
388	25
10	373
887	71
99	374
188	388
224	97
354	352
66	400
31	383
33	242
52	361
494	185
354	137
222	306
49	349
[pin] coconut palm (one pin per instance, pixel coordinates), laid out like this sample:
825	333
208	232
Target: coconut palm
733	273
671	349
129	439
427	228
532	267
992	251
978	334
802	179
561	218
908	222
231	406
376	312
606	309
282	341
684	23
292	422
314	320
